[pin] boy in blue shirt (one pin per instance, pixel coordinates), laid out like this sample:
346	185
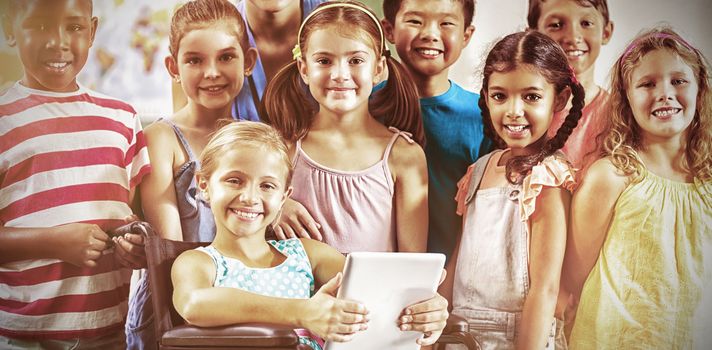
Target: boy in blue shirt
429	36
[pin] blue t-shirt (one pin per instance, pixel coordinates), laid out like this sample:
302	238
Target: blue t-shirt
455	139
244	107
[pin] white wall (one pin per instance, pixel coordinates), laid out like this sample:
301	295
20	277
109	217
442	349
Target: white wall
496	18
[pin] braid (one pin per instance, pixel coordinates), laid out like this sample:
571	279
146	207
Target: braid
533	49
577	104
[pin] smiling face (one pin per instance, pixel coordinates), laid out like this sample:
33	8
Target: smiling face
53	40
579	30
340	71
521	105
663	95
429	35
211	65
246	190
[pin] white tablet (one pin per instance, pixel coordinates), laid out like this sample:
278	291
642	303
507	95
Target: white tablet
386	283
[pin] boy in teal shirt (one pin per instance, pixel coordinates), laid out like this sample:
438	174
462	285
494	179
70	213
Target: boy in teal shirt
429	36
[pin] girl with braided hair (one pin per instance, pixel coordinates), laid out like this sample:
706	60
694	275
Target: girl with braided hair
504	275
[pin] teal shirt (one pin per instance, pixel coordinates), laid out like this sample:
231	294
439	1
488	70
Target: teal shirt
455	139
293	278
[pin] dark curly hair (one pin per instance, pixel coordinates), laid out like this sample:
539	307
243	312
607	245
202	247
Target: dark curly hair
540	52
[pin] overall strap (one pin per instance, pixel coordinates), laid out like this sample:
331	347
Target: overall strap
477	175
181	138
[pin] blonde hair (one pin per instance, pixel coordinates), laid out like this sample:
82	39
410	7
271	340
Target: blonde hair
236	135
622	138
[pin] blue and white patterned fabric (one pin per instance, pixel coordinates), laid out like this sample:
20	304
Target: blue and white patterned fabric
292	278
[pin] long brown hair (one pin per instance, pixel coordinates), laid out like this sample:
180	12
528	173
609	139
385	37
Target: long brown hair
541	53
623	137
288	106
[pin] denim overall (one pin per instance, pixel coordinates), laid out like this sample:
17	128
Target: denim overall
492	274
197	224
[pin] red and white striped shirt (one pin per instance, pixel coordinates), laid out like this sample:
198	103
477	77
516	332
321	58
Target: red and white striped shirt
66	158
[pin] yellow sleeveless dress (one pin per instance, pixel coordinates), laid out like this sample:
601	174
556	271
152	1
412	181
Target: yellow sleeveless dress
646	287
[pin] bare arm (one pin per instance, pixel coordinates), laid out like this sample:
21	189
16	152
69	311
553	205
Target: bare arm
77	244
407	163
326	261
546	254
158	195
591	213
201	304
447	286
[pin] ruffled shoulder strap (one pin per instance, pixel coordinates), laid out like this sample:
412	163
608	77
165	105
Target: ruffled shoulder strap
468	184
553	171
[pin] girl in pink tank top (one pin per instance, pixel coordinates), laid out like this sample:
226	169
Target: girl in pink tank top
366	186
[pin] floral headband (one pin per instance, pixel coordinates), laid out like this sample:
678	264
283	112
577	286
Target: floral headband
297	51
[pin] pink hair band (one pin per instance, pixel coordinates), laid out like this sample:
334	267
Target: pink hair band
660	36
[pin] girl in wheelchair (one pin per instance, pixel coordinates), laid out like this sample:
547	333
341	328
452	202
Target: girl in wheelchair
241	277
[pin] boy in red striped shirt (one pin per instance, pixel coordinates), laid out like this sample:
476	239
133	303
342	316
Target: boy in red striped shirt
70	159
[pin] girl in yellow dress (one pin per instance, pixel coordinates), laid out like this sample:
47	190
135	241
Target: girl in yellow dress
640	242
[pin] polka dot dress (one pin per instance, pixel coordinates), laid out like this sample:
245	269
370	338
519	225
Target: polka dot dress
292	278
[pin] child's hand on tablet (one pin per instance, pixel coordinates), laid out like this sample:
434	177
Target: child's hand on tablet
429	316
335	319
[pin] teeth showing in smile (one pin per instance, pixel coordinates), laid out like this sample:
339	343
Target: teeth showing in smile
245	215
515	128
662	113
429	52
575	53
57	65
213	88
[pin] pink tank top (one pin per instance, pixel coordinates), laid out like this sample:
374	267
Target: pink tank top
355	208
